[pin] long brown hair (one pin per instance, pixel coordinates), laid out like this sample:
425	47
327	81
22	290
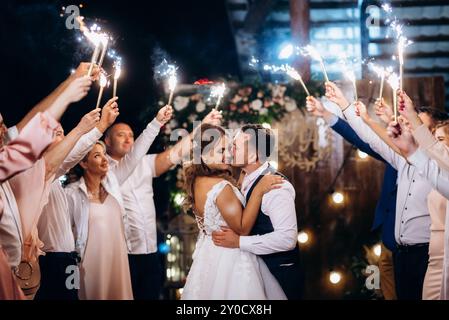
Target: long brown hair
204	137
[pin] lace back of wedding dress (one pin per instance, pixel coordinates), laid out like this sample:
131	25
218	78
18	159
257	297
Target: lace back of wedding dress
212	219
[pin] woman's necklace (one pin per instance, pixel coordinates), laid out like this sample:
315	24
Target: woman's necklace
95	195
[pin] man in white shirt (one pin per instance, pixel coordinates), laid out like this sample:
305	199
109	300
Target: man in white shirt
137	193
274	234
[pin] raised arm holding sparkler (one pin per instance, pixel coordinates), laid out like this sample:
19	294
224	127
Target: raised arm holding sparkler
335	95
49	101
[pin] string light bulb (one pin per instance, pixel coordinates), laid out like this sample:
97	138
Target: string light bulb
377	249
361	154
338	198
335	277
303	237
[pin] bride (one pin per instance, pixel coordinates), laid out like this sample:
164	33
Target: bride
221	273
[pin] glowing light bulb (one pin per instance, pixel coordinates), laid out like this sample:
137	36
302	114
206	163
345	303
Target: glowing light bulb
338	198
377	250
362	155
335	277
303	237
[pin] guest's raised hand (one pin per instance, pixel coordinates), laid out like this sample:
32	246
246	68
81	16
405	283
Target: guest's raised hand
407	110
361	111
334	94
402	137
109	114
83	70
214	117
315	107
89	121
383	111
165	114
77	89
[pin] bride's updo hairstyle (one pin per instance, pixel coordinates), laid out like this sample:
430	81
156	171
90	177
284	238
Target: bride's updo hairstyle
204	139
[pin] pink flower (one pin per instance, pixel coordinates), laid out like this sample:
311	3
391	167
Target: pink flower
267	103
245	92
232	107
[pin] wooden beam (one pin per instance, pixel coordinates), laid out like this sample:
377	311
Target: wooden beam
300	26
257	14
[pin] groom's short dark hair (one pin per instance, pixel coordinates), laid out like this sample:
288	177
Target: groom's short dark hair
262	139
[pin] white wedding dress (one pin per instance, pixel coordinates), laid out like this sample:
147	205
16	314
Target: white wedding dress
226	274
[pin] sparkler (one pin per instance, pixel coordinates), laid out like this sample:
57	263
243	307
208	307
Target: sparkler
382	73
288	70
98	39
402	43
168	71
314	54
172	82
393	81
104	42
218	91
118	72
348	72
103	84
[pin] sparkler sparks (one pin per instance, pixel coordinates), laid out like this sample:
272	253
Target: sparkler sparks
312	52
218	92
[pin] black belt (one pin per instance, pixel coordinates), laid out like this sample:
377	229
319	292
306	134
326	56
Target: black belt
411	247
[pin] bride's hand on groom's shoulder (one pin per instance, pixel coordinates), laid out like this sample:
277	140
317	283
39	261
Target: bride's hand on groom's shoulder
269	182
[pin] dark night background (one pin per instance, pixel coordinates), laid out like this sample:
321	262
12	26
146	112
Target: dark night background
38	51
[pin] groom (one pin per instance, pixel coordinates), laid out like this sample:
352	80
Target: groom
274	235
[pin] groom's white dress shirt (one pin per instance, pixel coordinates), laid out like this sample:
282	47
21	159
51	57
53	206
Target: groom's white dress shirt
279	205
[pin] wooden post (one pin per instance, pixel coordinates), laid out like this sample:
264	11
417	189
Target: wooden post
300	26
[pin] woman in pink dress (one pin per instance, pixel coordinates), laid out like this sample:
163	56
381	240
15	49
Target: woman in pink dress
99	219
437	208
19	155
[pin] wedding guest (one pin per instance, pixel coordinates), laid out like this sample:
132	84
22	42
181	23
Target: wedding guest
31	187
412	225
16	156
386	206
99	219
137	193
437	201
54	225
434	148
15	226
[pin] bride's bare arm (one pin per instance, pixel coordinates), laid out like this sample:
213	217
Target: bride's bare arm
241	220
